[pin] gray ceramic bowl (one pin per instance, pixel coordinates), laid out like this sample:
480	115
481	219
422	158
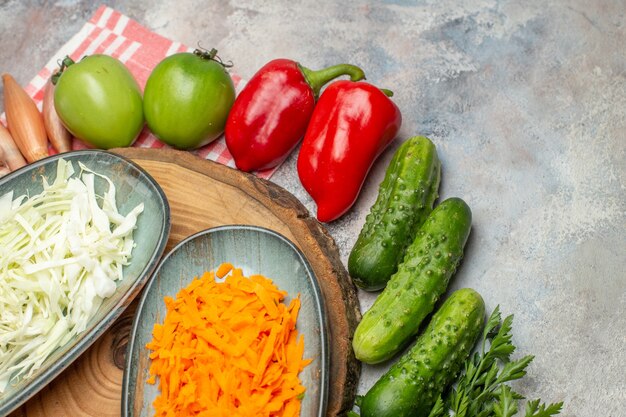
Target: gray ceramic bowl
133	186
255	250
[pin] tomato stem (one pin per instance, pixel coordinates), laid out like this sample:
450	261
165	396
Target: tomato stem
211	55
65	62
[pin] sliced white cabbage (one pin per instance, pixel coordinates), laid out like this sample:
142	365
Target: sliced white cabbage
61	254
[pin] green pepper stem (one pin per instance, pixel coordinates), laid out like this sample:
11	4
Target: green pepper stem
317	79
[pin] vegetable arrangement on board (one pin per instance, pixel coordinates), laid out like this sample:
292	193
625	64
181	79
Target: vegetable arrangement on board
408	247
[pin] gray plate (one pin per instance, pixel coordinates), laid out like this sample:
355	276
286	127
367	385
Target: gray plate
257	251
133	186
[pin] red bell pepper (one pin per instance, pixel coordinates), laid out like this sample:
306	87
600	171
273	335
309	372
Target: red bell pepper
270	115
352	124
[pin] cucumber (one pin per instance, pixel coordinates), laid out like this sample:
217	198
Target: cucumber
405	198
413	384
414	289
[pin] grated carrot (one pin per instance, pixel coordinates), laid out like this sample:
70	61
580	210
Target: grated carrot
228	349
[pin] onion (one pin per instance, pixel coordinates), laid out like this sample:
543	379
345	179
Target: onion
60	137
24	120
12	157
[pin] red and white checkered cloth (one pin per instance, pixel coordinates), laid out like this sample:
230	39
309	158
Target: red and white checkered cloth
112	33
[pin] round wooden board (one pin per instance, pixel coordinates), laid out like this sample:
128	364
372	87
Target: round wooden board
205	194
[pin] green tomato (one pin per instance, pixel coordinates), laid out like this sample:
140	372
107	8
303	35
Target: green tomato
99	101
187	99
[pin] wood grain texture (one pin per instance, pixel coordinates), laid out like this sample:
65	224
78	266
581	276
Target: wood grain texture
205	194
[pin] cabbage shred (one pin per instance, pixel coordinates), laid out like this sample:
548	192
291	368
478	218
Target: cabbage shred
61	254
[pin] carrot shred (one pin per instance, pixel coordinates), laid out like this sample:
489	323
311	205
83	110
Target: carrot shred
223	269
229	348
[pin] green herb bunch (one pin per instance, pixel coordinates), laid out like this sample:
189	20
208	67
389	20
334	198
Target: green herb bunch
482	390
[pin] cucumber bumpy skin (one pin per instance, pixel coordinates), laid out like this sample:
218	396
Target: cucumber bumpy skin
421	279
405	199
411	386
